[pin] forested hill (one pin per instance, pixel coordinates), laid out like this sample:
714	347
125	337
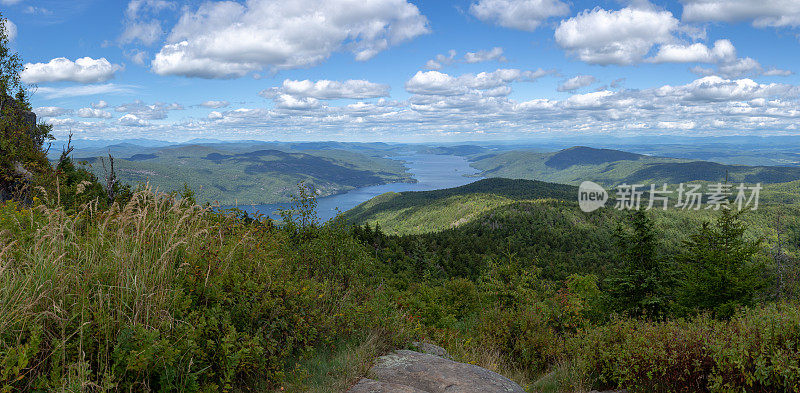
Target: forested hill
250	173
423	211
610	167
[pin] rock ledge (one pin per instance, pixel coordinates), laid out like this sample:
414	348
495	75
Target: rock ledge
405	371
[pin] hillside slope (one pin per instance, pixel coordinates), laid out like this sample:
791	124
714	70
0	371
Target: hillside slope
611	167
426	211
232	173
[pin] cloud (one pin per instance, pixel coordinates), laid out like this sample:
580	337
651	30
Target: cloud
93	113
740	67
37	10
593	100
287	101
619	37
146	32
328	90
83	70
51	111
518	14
99	104
10	29
138	57
723	51
774	13
215	104
228	39
576	83
141	23
10	2
88	90
141	110
440	60
132	121
777	72
495	53
485	83
717	89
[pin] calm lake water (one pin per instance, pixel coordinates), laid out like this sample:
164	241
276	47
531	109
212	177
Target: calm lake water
432	172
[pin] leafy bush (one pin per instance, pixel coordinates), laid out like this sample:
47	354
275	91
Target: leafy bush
756	351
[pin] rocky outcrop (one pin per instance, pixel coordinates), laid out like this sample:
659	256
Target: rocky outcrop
415	372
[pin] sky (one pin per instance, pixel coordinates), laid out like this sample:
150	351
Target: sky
409	70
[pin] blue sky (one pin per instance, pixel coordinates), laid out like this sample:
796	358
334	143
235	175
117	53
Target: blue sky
406	70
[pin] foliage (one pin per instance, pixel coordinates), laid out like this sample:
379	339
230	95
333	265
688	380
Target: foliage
161	295
755	351
720	269
23	164
640	285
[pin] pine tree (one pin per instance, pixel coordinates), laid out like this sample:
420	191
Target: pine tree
720	271
640	284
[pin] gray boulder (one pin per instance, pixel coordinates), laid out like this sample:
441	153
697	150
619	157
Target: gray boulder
366	385
428	373
431	349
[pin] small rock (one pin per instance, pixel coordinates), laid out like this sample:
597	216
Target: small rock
431	349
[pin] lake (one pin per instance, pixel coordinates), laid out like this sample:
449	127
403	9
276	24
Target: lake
431	171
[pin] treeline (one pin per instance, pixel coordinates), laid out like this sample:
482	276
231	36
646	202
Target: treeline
603	300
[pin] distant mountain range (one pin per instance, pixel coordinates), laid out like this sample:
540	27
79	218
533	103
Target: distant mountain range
258	172
611	167
248	173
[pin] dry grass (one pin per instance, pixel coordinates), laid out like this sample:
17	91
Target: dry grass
56	269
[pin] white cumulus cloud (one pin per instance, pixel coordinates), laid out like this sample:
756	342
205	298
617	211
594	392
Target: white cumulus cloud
51	111
518	14
328	89
620	37
83	70
441	60
723	51
141	23
576	83
228	39
495	53
773	13
214	104
487	83
132	121
91	113
141	110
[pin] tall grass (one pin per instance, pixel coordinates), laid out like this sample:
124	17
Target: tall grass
162	295
64	276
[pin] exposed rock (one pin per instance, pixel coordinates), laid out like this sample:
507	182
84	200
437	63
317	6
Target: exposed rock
431	349
366	385
433	374
20	170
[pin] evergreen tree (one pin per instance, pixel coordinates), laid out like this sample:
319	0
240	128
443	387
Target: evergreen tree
720	271
639	285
